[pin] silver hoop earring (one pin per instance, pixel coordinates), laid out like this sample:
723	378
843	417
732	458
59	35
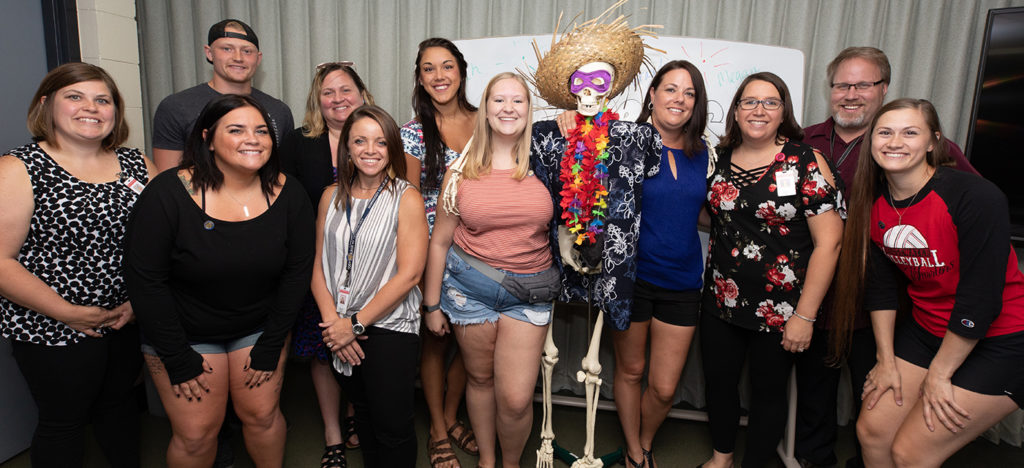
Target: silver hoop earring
650	106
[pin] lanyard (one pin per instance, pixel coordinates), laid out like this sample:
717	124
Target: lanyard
849	148
353	232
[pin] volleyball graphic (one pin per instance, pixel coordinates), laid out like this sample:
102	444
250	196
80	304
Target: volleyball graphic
904	236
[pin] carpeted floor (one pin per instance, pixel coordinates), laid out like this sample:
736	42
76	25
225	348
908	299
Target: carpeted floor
679	444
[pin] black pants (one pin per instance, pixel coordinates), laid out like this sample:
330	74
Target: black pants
724	348
817	386
381	390
91	381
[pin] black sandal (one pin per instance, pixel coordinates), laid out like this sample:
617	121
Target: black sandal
334	457
648	457
630	462
350	432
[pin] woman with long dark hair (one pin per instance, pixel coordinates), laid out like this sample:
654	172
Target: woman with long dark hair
64	306
775	234
433	140
954	366
666	298
219	253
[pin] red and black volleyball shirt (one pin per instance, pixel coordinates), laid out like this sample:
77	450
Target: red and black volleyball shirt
952	243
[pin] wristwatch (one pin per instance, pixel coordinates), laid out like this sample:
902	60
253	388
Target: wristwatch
357	328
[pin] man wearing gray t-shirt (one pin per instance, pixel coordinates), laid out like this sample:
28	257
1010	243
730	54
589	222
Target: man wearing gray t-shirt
234	50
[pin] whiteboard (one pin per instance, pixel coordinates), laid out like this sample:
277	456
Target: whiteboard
724	65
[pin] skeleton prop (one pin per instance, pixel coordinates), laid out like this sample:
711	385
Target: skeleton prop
594	177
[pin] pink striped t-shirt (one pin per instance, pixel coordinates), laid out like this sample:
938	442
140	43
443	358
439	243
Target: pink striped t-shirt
505	221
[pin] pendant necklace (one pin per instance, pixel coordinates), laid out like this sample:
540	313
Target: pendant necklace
899	215
245	206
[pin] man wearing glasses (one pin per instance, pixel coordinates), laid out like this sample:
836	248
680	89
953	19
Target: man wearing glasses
234	51
858	79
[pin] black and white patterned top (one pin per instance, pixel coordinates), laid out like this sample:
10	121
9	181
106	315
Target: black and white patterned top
74	242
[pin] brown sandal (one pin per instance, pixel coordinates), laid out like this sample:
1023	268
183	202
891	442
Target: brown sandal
462	435
440	452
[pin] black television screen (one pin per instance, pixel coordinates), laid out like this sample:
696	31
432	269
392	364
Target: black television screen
994	142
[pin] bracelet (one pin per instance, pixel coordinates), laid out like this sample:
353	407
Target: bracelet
431	308
812	320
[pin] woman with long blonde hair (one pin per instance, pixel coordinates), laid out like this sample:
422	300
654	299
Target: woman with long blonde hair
497	215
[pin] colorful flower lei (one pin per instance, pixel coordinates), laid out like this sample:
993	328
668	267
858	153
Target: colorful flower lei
584	174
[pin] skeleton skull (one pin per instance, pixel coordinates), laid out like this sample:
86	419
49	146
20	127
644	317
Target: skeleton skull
591	84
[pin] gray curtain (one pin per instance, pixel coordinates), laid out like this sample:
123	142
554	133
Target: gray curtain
934	47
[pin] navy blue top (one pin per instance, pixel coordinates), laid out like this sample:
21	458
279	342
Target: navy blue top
670	253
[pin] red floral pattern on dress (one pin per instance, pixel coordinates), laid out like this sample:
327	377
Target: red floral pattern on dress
760	243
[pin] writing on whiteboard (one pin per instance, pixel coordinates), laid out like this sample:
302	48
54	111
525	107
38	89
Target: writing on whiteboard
724	64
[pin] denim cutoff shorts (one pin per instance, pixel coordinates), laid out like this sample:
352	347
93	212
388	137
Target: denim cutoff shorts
469	297
219	347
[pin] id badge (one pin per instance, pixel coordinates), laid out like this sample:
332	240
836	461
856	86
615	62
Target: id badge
785	183
135	185
343	295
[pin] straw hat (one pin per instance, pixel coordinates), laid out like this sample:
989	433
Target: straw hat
614	43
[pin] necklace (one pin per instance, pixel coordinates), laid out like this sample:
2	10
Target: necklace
245	206
899	216
583	175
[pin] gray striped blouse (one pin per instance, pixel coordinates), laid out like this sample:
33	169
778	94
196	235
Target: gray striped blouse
374	259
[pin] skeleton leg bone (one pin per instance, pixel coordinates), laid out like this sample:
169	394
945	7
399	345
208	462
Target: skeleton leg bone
545	454
590	377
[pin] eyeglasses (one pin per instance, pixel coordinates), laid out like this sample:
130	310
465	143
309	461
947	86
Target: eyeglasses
862	86
343	63
768	104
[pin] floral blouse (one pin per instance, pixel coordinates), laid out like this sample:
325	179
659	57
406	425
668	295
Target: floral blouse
760	242
634	152
412	140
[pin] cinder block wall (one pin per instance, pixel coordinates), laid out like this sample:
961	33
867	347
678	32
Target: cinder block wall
108	34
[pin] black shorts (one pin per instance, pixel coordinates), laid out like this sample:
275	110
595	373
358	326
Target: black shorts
672	307
994	367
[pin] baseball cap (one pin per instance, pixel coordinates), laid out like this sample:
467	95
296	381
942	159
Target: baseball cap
218	31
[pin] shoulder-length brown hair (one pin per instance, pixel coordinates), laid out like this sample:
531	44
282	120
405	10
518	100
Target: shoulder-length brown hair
199	157
313	124
396	152
868	182
40	110
789	128
693	129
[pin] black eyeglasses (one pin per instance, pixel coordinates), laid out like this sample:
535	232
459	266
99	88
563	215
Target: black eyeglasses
862	86
768	104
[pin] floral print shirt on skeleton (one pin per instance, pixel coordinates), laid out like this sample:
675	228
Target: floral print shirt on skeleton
760	242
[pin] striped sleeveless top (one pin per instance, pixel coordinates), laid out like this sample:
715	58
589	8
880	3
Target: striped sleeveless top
374	259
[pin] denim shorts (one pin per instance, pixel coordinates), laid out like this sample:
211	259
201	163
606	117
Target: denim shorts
217	347
469	297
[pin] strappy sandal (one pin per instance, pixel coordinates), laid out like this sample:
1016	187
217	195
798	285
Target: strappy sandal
462	435
440	452
648	457
633	464
334	457
350	432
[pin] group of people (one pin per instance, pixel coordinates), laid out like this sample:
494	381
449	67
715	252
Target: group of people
383	253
